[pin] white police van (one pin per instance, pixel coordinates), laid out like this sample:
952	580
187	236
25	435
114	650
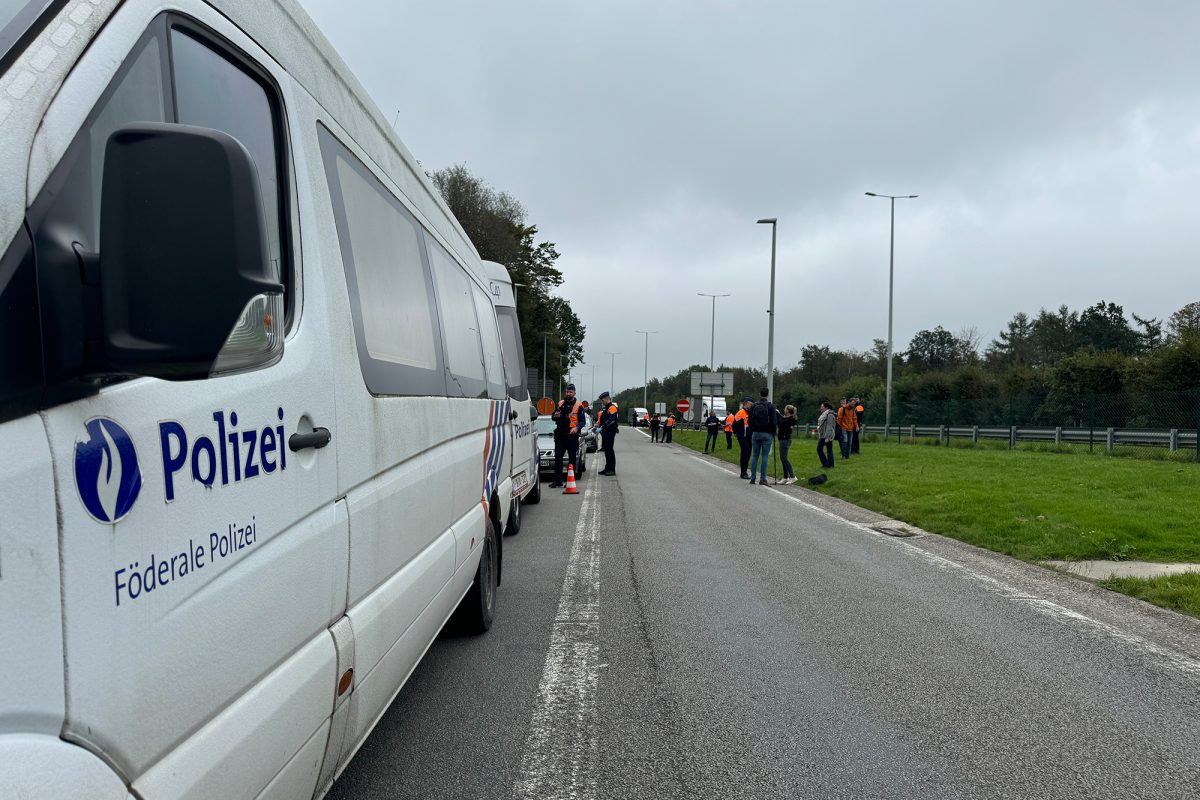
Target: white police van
526	483
254	412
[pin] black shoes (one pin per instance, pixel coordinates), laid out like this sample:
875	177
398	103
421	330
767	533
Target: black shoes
607	472
556	485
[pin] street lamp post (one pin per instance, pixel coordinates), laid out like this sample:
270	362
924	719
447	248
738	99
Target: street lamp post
542	389
612	371
646	366
887	419
712	349
772	221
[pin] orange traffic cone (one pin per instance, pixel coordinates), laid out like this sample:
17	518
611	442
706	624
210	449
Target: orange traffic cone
570	480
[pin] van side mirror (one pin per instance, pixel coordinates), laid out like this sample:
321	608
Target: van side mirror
533	413
187	286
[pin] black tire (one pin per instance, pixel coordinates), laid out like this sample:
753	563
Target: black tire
514	518
477	610
534	495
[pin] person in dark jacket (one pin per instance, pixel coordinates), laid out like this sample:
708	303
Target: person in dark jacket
566	433
860	414
786	423
607	421
712	424
654	423
764	418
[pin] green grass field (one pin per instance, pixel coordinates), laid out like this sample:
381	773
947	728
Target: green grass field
1033	505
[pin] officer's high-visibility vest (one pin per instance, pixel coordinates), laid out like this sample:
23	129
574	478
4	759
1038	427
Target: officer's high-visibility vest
670	422
729	423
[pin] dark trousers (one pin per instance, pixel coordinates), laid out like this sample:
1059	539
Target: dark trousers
744	444
711	440
854	443
784	445
667	433
565	443
825	452
607	437
654	433
728	440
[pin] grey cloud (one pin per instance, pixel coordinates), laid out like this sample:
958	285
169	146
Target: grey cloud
1055	147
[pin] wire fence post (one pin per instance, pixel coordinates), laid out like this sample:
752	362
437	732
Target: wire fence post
1091	422
1197	393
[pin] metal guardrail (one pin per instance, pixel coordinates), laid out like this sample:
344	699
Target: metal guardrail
1108	438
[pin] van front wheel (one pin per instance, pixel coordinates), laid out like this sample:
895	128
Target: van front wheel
534	496
514	518
478	607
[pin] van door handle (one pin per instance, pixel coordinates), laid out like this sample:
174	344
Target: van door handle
317	439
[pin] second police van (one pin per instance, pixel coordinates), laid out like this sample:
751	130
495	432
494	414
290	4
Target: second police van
257	409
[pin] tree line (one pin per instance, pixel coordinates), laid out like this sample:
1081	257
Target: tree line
498	226
1095	366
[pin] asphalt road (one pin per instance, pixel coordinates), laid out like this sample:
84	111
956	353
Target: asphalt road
677	633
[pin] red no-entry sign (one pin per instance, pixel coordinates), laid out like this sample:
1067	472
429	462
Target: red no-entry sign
683	405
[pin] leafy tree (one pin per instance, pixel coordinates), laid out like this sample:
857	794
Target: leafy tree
934	350
1185	321
1103	326
1054	334
817	364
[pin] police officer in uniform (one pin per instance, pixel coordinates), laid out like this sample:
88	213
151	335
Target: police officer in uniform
607	420
566	433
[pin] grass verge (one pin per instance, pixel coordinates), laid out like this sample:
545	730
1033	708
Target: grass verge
1032	505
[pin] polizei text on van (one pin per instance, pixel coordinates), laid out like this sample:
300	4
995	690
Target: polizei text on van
228	455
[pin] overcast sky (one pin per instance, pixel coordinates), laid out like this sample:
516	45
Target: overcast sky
1055	147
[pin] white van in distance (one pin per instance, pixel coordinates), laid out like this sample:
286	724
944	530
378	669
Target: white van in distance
257	411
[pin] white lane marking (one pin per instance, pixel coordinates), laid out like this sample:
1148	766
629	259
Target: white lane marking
561	748
1173	658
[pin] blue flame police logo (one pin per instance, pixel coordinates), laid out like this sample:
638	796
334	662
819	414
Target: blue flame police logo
106	470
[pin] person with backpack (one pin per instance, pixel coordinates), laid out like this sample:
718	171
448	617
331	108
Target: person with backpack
741	429
786	423
763	421
826	425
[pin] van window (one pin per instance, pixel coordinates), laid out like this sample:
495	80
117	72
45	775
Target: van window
491	344
391	291
64	218
212	92
514	355
460	329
